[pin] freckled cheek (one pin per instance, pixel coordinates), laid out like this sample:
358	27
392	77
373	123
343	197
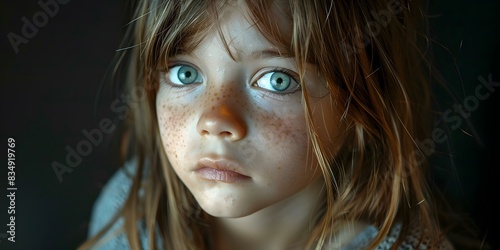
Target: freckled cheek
283	142
172	123
287	131
279	126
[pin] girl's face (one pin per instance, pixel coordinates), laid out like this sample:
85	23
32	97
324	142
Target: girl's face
234	129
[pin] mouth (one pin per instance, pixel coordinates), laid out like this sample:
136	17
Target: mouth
221	170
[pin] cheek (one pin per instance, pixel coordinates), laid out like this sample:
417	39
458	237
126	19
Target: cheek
287	130
172	119
283	140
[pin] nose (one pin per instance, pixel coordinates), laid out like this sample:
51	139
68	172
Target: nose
222	121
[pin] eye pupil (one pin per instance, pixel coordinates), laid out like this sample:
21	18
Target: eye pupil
280	81
187	74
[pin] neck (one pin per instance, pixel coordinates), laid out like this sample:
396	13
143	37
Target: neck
284	225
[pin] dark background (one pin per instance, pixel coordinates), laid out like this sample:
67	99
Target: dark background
49	91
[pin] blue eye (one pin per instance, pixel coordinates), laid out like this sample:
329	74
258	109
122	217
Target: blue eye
278	81
184	75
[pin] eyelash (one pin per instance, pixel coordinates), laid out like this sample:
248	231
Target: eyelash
270	93
166	75
285	71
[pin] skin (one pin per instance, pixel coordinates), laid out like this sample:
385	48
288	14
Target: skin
232	114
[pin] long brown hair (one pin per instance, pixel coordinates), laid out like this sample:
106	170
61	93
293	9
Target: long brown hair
370	54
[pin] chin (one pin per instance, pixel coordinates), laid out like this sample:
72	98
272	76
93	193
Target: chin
228	209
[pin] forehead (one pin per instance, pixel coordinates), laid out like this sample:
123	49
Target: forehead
245	34
245	27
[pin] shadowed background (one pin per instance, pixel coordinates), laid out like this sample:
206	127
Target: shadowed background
49	91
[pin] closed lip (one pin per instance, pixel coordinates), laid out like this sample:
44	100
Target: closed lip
222	170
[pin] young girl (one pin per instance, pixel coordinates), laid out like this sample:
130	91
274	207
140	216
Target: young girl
273	125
